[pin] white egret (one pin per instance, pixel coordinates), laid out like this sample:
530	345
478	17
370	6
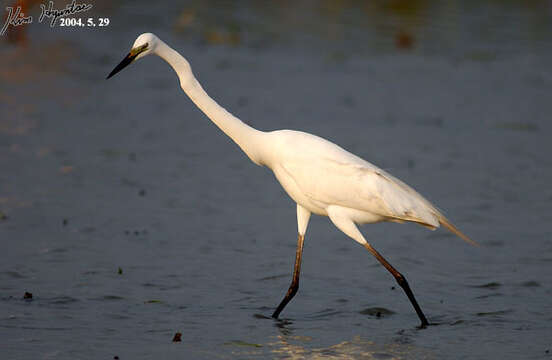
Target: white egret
321	177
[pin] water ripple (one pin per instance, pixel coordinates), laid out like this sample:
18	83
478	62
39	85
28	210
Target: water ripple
489	285
377	312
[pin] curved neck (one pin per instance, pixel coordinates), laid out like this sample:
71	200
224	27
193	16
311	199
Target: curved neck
248	139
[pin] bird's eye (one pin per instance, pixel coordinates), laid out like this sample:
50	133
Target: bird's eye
139	49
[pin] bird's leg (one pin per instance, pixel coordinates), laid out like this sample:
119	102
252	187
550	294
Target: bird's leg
295	281
401	280
345	224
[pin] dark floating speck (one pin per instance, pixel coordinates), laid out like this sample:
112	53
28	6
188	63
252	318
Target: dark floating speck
142	192
127	232
404	40
120	270
115	357
65	222
3	216
27	295
177	337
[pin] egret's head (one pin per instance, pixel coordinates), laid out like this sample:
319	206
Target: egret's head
144	45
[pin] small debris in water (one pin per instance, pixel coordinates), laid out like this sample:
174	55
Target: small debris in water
120	270
27	295
404	40
3	216
177	337
115	357
142	192
392	288
65	222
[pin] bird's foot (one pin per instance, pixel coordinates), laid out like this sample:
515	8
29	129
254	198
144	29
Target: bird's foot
425	325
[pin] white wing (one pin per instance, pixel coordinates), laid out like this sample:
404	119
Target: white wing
330	175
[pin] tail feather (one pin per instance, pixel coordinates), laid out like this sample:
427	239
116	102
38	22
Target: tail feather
446	223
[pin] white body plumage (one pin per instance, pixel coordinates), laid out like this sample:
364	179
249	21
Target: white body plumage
321	177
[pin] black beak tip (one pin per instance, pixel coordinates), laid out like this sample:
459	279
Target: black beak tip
124	63
114	71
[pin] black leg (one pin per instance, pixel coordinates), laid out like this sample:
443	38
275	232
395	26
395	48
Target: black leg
401	280
295	282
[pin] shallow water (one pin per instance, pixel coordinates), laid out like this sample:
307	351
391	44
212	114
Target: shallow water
130	217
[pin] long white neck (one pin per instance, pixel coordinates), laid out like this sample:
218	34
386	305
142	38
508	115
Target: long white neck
250	140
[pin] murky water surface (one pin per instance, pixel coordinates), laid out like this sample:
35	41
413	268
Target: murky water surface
130	217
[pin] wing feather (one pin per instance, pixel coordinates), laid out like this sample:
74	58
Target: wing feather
365	188
330	175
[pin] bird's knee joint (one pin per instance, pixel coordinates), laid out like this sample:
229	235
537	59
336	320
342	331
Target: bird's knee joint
401	280
292	290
